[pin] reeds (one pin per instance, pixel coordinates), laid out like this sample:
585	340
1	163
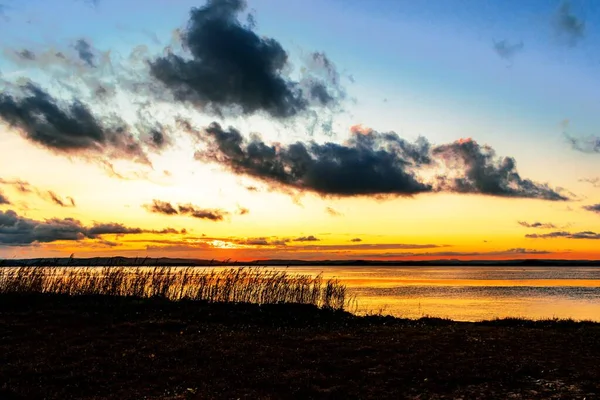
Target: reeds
238	285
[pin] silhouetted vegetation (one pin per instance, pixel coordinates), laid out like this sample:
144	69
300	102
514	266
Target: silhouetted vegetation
236	285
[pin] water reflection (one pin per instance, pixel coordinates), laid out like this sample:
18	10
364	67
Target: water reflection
471	293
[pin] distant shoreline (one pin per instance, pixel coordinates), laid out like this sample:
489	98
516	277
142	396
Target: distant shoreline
183	262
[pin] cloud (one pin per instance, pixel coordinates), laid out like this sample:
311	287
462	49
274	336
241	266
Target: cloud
590	144
69	202
594	208
368	165
68	129
242	210
201	213
3	199
333	212
506	50
161	207
564	234
369	246
85	53
259	241
310	238
594	181
16	230
356	240
48	195
537	225
480	171
21	186
568	27
500	253
166	208
231	66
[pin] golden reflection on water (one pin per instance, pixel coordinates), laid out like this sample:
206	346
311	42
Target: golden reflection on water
470	293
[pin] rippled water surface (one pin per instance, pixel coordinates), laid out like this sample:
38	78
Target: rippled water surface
471	293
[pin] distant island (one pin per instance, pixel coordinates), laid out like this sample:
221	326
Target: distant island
181	262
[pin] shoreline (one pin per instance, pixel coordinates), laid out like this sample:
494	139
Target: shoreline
60	346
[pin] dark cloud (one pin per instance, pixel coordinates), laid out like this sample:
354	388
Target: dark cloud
356	240
593	208
231	65
166	208
540	225
564	234
201	213
506	50
161	207
568	27
3	199
480	171
111	229
333	212
369	164
16	230
310	238
69	202
71	129
260	241
85	53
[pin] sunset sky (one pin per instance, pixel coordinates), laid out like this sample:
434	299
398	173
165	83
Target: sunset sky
314	129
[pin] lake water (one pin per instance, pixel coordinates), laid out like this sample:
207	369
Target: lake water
471	293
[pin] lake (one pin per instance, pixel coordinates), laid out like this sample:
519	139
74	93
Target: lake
470	293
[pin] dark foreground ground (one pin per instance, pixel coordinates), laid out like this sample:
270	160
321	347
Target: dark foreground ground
55	347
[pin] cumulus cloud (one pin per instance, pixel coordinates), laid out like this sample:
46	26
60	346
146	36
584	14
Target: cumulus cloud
568	27
593	208
166	208
16	230
564	234
540	225
507	50
480	171
230	65
370	163
3	199
68	128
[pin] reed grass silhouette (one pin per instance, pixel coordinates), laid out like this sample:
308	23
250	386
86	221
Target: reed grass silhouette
237	285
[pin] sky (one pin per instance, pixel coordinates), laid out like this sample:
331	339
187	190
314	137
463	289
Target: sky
314	130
